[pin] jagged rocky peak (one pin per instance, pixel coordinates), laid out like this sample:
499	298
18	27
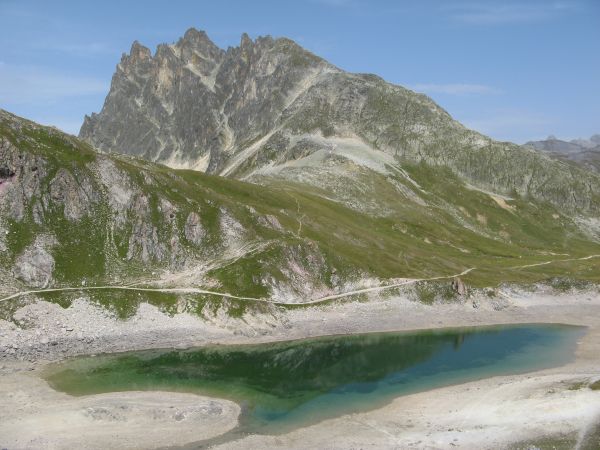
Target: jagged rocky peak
193	104
245	41
195	47
193	41
267	103
197	39
139	53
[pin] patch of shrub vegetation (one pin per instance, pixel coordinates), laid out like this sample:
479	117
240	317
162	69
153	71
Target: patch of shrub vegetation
565	284
557	442
429	292
577	386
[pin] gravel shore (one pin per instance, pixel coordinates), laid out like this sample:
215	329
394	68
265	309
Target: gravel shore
491	413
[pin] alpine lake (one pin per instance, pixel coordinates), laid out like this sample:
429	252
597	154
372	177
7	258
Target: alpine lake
285	385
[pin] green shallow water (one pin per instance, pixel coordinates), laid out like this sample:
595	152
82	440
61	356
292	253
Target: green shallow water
284	385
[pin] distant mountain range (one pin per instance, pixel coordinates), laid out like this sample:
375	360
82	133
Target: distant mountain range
585	152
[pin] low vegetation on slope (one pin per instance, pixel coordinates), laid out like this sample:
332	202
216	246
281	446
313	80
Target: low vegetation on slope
71	217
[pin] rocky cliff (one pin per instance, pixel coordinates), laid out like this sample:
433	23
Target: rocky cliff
194	105
254	110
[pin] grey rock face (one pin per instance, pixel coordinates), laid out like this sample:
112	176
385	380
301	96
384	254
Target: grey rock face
120	189
21	183
270	221
194	231
35	265
459	286
268	102
76	196
232	232
144	242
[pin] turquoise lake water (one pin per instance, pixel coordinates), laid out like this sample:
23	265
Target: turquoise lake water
284	385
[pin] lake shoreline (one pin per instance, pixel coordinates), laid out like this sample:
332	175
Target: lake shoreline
389	426
275	380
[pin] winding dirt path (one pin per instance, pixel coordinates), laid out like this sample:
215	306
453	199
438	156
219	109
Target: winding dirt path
191	290
226	295
381	288
555	261
129	288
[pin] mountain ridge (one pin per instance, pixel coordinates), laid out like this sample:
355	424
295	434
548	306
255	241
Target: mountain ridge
259	107
193	61
583	152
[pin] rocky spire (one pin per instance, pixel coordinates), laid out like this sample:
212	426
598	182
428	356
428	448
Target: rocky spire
245	41
139	53
195	45
192	35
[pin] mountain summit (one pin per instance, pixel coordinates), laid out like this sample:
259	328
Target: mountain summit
195	105
268	108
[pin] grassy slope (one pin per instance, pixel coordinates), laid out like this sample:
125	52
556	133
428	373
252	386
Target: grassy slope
412	241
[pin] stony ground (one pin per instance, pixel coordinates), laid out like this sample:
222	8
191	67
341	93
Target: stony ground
493	413
46	331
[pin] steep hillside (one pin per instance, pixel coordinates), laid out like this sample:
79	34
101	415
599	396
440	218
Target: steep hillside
268	104
74	218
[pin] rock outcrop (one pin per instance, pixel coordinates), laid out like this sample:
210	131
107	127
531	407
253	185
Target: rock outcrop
458	286
194	231
35	266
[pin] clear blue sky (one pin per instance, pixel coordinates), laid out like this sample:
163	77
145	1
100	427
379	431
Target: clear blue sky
515	70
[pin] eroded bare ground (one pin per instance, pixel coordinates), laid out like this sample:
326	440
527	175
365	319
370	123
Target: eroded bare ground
493	413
